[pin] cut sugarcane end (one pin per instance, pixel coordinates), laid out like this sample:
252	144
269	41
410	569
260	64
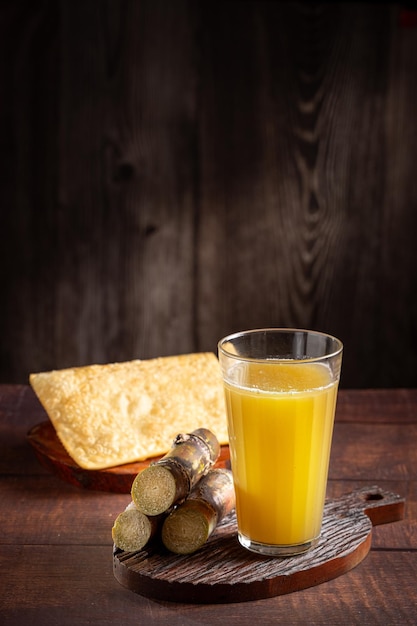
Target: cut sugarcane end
154	490
131	530
187	528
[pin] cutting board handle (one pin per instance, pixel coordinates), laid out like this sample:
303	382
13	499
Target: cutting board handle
379	505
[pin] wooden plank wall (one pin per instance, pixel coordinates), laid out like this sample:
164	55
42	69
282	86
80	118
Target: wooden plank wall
173	171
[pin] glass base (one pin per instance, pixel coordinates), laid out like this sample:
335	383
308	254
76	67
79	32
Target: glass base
267	549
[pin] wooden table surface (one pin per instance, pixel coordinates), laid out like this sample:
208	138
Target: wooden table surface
56	546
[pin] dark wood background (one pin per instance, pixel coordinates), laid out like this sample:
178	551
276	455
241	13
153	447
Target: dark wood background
172	171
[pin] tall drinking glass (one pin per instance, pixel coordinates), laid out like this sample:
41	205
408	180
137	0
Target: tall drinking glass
281	388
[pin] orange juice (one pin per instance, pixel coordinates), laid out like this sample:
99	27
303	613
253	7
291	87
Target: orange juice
280	436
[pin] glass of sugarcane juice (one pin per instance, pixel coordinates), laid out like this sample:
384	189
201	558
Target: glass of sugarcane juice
281	388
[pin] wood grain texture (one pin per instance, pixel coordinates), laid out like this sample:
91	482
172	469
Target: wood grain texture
65	602
175	171
222	571
56	545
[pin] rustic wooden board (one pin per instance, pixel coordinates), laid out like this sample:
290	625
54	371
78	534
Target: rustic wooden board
223	571
52	455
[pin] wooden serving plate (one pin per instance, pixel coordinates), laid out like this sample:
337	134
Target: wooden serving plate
222	571
52	455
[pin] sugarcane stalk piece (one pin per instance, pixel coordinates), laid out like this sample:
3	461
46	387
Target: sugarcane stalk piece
189	525
168	481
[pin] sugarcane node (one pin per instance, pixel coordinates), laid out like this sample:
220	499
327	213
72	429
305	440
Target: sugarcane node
196	452
210	441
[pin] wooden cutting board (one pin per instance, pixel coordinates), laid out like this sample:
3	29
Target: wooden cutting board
52	455
223	571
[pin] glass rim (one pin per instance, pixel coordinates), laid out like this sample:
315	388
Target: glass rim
283	330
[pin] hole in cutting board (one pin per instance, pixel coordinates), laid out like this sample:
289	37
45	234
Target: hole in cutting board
374	496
